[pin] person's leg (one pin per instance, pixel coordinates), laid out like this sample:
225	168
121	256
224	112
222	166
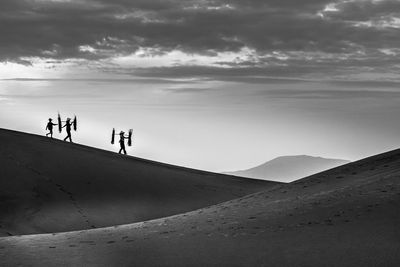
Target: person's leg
119	152
123	148
68	137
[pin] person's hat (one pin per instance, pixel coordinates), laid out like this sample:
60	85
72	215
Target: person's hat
121	132
68	119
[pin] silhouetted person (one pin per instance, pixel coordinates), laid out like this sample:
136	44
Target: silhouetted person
122	138
49	127
68	125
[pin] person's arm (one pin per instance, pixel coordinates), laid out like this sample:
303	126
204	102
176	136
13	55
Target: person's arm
55	124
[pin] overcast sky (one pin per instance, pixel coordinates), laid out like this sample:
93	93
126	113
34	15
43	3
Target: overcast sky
210	84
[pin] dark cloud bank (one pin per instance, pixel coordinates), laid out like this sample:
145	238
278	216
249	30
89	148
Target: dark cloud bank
289	37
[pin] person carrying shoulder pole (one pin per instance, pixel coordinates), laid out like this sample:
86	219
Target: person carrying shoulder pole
67	126
122	138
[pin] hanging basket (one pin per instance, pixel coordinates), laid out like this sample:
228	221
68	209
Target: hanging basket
113	136
75	122
130	137
59	123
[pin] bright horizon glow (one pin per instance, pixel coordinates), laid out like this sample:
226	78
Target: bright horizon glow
213	126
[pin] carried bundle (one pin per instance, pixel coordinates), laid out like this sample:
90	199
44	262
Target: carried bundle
60	121
130	134
130	137
113	136
74	123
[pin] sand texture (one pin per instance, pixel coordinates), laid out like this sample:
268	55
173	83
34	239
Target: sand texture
347	216
51	186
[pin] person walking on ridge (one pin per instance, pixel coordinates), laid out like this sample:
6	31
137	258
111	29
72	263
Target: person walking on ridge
49	127
122	138
68	125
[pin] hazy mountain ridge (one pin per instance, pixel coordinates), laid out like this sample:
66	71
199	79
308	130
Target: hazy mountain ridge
289	168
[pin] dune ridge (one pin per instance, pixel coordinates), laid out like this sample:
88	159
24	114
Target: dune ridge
346	216
47	185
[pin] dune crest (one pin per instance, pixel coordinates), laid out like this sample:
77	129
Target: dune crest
47	186
346	216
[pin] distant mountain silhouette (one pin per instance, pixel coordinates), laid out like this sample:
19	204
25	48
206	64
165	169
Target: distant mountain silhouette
290	168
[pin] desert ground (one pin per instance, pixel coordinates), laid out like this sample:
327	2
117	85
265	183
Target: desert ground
346	216
47	186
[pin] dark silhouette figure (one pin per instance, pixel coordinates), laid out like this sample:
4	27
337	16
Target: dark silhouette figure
122	138
49	127
68	125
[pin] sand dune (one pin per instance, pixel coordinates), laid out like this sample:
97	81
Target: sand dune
347	216
51	186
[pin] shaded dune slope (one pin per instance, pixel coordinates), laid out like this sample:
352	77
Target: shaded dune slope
51	186
347	216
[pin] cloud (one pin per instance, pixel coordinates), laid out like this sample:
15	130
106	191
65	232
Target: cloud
305	67
137	80
186	90
330	94
288	37
361	11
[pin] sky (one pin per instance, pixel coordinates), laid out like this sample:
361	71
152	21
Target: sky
208	84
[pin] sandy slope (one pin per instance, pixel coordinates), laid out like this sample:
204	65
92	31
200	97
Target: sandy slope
51	186
348	216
